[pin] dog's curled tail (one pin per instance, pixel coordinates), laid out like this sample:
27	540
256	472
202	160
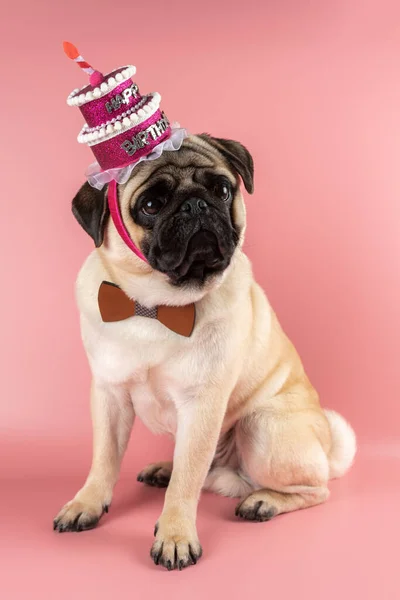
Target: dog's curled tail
344	444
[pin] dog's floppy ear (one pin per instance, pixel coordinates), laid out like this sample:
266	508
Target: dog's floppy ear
237	156
90	208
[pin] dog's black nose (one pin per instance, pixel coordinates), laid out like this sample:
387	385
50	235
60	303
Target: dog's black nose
194	206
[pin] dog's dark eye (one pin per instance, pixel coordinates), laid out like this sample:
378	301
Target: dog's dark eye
224	191
152	206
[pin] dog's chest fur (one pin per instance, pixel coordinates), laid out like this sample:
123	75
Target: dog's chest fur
138	357
159	369
155	408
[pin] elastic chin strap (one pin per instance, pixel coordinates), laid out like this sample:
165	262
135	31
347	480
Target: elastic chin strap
116	216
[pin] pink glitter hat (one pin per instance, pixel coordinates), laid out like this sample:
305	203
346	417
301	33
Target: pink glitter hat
122	127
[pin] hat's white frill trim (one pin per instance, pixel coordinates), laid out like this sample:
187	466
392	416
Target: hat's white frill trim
98	178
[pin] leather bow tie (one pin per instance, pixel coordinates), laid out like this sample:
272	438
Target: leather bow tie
115	305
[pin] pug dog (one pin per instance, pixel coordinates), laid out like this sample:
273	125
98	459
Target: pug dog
217	372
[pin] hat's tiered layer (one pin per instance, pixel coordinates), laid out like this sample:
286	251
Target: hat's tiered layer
121	126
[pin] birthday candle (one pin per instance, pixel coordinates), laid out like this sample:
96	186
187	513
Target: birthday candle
72	52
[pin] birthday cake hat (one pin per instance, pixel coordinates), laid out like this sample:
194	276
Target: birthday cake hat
122	127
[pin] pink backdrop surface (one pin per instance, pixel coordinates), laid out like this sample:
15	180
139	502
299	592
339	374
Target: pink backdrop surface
313	90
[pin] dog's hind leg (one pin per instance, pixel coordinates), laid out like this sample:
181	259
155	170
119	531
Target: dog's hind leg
226	481
221	480
286	456
156	474
224	477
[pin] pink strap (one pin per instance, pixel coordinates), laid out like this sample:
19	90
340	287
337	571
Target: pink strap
113	205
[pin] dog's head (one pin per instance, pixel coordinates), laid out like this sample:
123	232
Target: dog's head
184	210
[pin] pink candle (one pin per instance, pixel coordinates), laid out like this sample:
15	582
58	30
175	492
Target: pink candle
71	51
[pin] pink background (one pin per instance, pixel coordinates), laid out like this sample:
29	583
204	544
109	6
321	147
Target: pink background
313	89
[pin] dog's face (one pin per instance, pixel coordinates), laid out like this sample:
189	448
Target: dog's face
184	210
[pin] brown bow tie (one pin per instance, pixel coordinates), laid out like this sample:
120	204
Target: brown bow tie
115	305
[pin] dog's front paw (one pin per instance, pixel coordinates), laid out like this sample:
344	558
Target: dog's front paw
81	513
177	545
